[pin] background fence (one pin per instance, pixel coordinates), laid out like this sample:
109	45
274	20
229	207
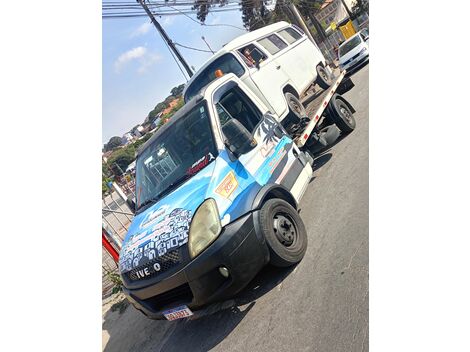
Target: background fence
116	222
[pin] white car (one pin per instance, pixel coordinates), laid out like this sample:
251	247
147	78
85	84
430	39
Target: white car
278	62
354	52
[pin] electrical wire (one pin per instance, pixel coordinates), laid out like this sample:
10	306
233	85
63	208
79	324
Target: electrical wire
191	48
204	24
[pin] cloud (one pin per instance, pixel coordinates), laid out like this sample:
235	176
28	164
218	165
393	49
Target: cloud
128	56
168	21
147	61
139	54
141	30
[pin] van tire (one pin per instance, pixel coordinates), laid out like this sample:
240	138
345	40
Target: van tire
296	108
284	231
342	115
323	78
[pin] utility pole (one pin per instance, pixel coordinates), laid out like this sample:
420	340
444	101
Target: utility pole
347	9
166	38
300	21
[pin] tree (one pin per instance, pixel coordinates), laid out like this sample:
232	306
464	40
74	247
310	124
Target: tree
359	7
309	9
113	143
176	91
158	108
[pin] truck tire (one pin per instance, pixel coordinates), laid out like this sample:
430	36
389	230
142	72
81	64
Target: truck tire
342	115
323	78
284	231
296	109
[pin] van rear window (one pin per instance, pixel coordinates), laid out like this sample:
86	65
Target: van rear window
273	44
226	63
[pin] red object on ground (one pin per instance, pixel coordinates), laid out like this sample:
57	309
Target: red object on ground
109	248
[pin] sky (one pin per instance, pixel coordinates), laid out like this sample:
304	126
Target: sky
138	69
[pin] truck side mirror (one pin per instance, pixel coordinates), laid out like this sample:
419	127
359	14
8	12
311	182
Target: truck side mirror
238	139
131	204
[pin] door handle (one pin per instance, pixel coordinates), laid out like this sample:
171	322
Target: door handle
278	67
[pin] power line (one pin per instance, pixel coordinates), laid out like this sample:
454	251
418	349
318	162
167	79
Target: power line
160	14
204	24
191	48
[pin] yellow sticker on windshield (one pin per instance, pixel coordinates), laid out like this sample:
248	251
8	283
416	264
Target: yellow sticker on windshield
227	186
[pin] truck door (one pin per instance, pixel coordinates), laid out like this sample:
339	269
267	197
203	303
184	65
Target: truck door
273	155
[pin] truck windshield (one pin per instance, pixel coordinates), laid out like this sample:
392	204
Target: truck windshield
183	149
226	63
348	46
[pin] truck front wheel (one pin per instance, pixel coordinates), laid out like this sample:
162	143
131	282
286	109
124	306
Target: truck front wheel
284	231
323	78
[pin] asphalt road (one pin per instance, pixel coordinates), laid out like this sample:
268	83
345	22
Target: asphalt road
322	303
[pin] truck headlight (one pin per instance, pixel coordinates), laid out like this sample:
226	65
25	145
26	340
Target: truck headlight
205	227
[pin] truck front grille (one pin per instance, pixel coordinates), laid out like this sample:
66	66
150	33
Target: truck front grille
166	261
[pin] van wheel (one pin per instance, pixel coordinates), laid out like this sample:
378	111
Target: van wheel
342	115
323	78
296	109
284	231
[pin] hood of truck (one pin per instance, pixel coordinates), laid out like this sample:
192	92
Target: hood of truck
164	226
160	233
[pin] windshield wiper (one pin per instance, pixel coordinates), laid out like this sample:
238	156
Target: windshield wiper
170	187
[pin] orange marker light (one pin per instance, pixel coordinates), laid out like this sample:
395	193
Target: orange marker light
218	73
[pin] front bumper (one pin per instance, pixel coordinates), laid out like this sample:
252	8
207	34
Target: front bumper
356	64
240	248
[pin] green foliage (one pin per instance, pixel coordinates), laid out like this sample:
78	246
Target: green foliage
177	91
172	112
113	143
169	99
360	7
115	278
141	141
120	159
104	184
158	108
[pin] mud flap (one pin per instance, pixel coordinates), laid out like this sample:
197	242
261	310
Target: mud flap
326	137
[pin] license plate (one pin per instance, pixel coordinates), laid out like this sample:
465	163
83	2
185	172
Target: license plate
177	313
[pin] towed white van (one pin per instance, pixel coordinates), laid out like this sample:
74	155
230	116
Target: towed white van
277	62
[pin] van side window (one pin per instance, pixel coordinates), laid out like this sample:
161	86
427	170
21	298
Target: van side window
298	29
272	43
289	35
252	55
234	104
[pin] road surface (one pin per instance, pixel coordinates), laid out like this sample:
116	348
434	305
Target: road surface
322	303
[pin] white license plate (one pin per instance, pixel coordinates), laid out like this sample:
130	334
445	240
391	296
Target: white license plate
177	313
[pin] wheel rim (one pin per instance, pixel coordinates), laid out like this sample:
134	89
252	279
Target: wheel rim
345	112
323	74
295	107
285	229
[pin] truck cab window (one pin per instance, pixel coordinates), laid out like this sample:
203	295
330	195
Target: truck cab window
235	105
